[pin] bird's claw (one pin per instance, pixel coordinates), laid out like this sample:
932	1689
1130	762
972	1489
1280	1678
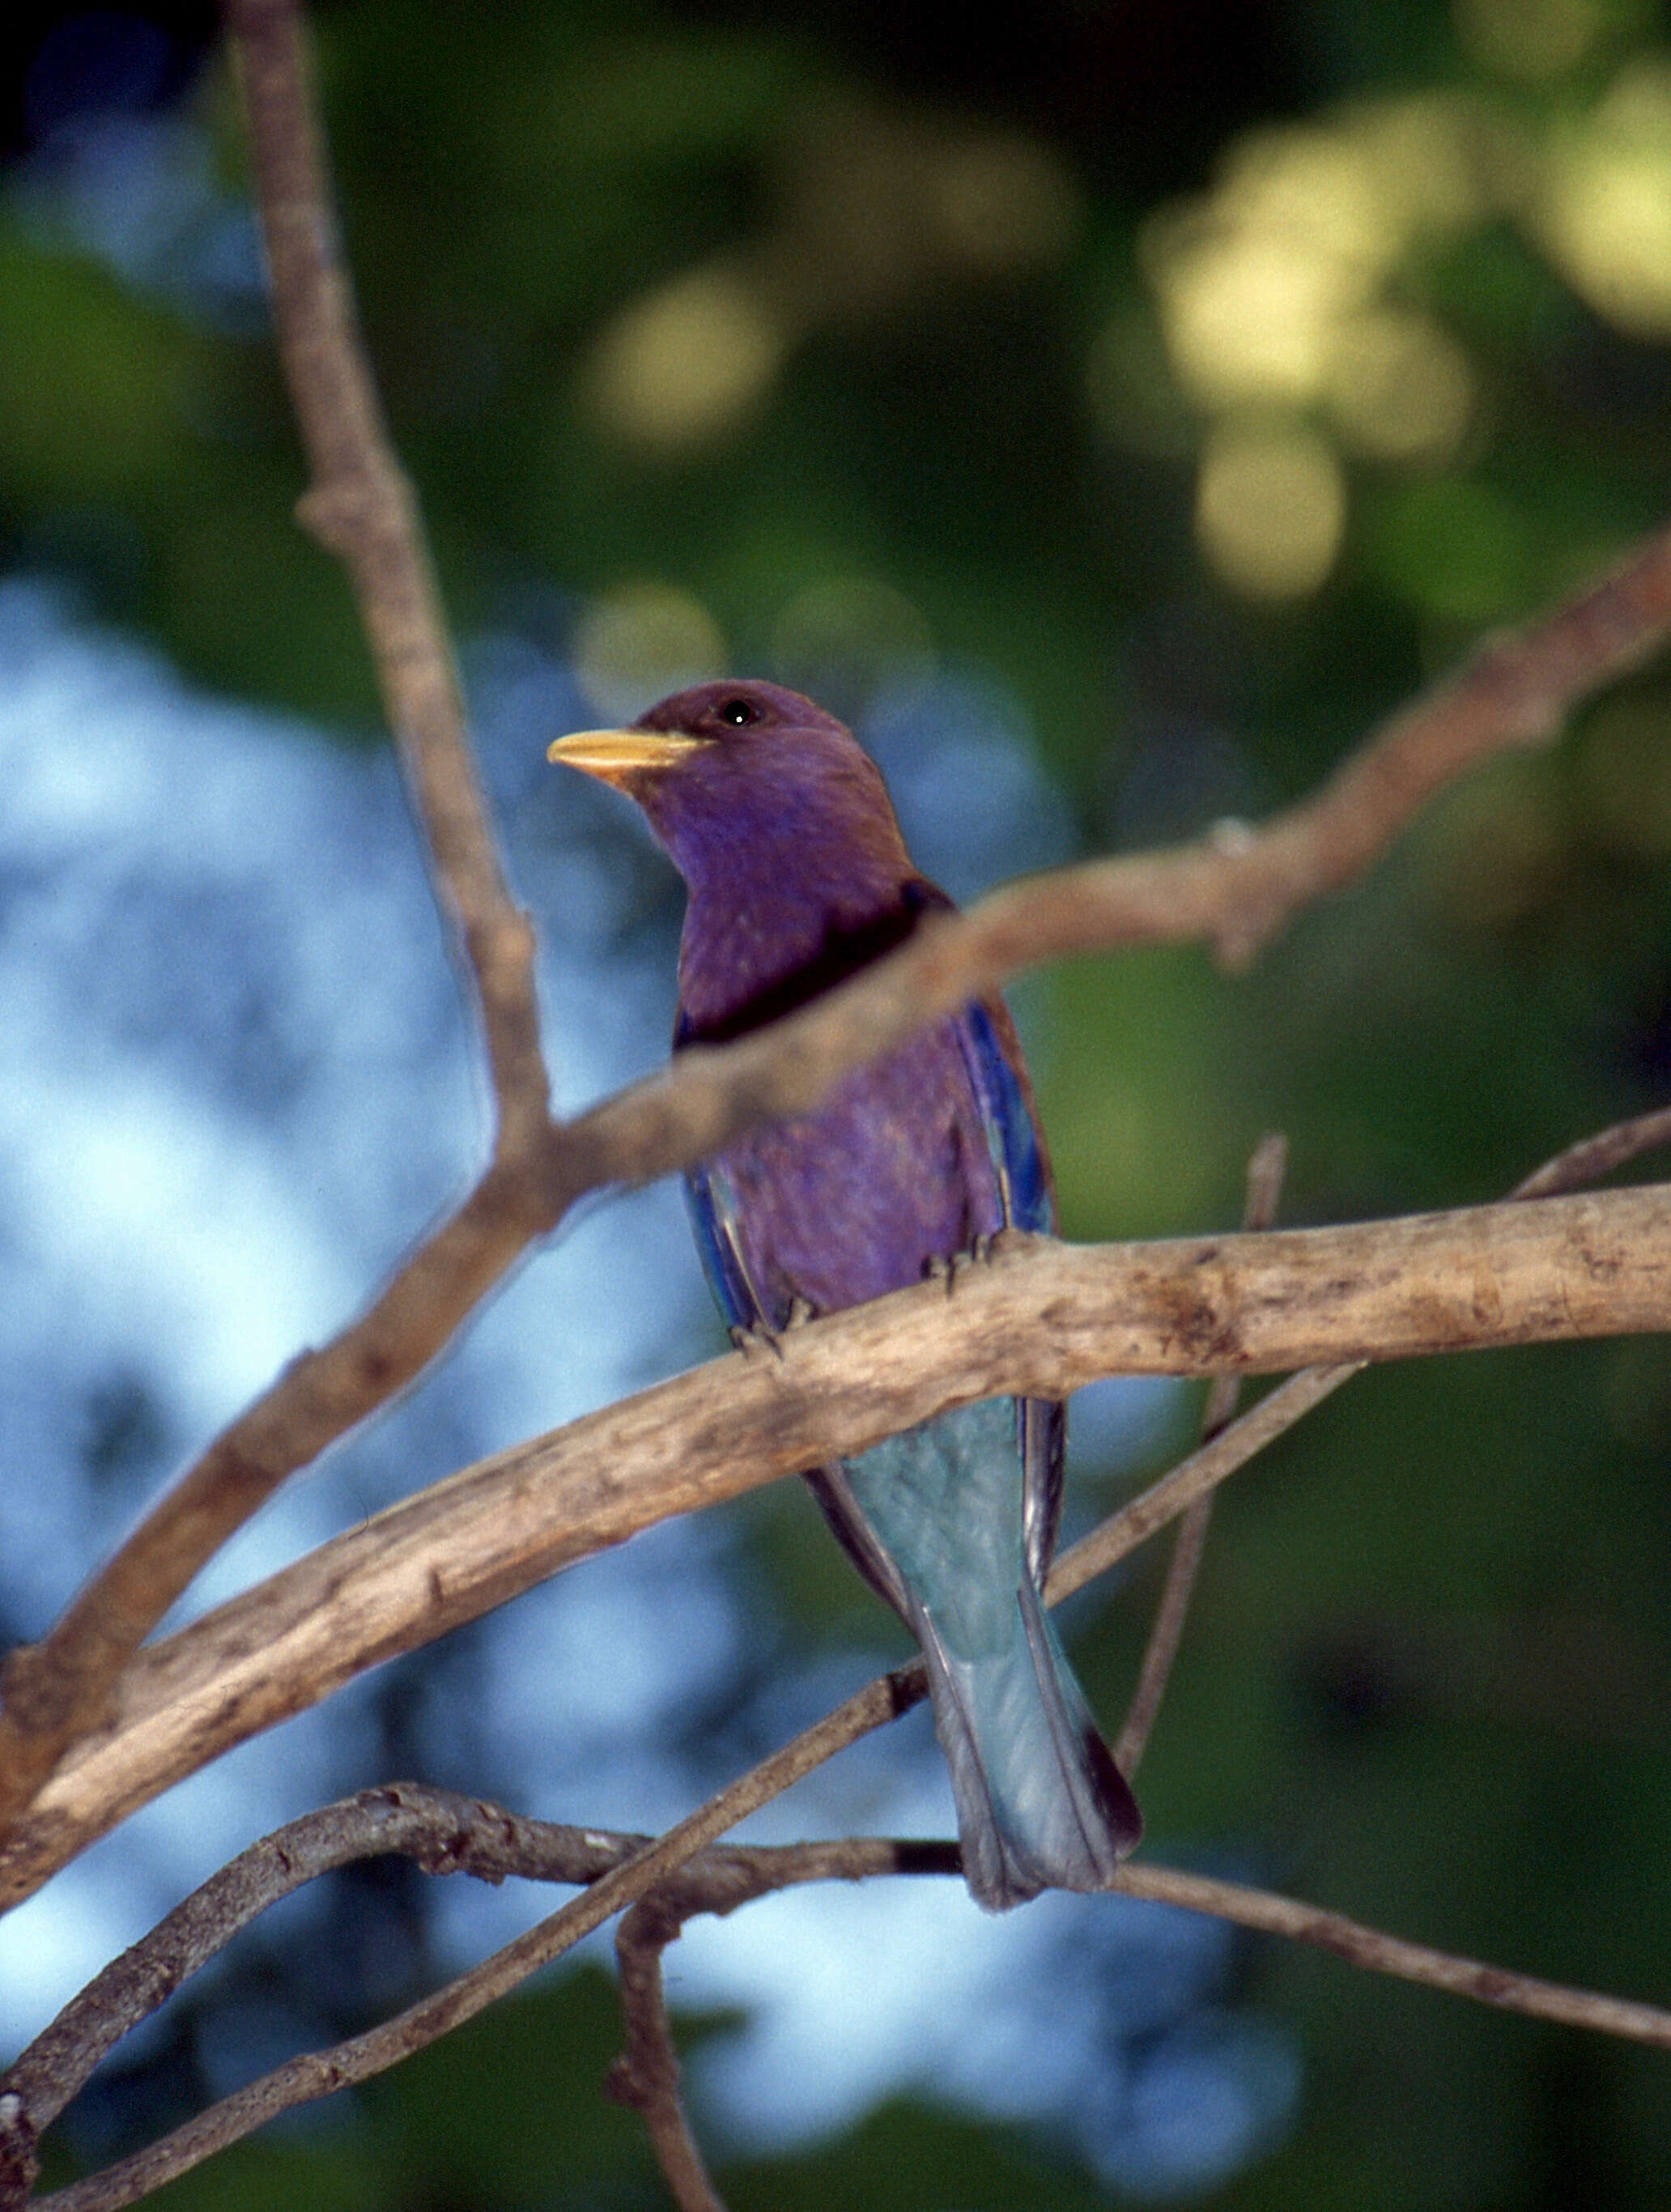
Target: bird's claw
756	1342
944	1270
753	1342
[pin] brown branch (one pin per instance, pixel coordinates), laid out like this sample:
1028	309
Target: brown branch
1043	1319
1584	1162
447	1834
444	1833
1234	889
1265	1168
319	2074
1592	1157
360	505
1389	1954
646	2074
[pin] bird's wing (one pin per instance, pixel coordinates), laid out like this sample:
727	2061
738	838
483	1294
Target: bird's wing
714	1217
1004	1097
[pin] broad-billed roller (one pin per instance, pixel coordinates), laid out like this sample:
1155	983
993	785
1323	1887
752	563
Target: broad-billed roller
797	876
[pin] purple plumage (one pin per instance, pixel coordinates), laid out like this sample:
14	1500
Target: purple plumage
797	876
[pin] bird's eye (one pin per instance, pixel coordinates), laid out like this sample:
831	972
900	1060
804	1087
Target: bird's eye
739	713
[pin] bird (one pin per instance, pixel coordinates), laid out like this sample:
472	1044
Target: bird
797	876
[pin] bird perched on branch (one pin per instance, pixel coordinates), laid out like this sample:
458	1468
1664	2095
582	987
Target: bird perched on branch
797	876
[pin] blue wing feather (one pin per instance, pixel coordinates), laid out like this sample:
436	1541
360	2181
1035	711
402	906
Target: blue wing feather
1017	1158
712	1206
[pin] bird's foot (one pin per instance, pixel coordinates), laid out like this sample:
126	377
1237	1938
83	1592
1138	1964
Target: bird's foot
757	1343
947	1271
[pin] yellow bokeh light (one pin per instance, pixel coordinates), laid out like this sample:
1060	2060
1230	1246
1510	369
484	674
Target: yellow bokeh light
1252	282
634	645
1316	186
1423	157
1399	388
688	360
1270	507
1606	206
1248	312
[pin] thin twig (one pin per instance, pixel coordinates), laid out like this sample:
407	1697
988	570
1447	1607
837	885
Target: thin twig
1266	1166
646	2074
1592	1157
444	1833
1043	1319
1389	1954
448	1834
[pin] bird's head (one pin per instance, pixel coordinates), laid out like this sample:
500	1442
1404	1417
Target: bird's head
741	777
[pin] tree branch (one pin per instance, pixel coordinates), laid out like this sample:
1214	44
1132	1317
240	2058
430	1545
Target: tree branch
1389	1954
1234	889
446	1833
1042	1319
646	2074
360	505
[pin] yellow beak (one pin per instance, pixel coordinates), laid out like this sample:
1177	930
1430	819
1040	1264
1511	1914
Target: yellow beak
620	757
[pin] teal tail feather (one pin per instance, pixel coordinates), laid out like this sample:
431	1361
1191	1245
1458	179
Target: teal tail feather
1040	1804
935	1517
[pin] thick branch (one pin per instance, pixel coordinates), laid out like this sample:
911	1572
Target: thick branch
1043	1318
